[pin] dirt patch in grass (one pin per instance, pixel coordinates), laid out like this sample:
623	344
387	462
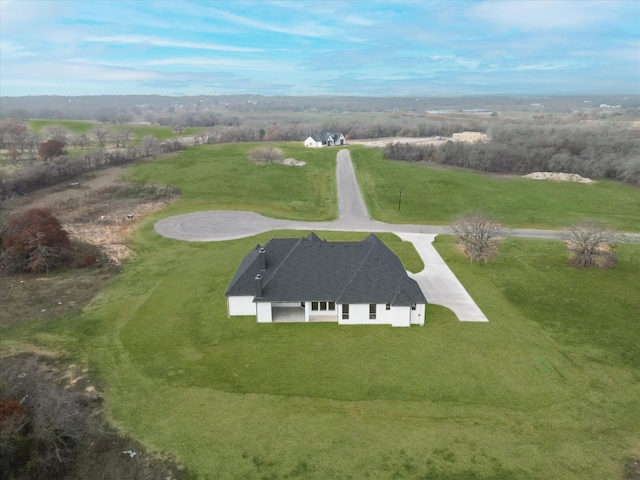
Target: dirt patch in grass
632	470
98	215
383	142
100	209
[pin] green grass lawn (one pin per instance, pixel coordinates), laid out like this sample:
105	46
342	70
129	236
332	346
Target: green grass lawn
436	195
221	177
81	126
74	126
548	389
158	131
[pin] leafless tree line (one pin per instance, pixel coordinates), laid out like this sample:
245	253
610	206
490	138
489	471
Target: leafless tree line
590	151
60	169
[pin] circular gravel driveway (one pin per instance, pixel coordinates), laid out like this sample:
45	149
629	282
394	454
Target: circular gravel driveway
217	225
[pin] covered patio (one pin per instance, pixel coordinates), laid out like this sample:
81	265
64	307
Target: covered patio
297	315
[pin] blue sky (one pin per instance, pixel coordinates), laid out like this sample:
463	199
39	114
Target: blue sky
447	47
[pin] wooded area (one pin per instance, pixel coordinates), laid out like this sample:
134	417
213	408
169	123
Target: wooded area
594	151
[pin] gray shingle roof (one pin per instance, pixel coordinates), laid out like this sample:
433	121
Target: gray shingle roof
306	269
325	136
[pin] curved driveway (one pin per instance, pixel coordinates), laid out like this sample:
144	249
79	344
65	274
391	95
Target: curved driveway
219	225
439	285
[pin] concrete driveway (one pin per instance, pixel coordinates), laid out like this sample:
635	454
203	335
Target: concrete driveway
438	283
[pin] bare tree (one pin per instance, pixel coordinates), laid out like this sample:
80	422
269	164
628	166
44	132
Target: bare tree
101	133
18	133
79	141
478	235
266	154
57	132
149	145
591	244
49	422
32	142
178	126
116	139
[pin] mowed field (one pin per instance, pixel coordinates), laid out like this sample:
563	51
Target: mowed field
547	389
436	195
79	127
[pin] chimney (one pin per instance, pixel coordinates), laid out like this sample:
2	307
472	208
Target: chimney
258	286
262	257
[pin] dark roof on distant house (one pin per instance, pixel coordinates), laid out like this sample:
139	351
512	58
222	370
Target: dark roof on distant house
311	269
325	136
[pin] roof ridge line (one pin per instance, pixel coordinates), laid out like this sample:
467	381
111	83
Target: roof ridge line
282	262
355	271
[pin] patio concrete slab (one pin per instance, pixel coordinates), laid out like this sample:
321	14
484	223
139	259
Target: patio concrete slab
438	283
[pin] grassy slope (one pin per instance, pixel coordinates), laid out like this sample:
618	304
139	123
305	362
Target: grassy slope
437	195
221	177
74	126
547	389
80	126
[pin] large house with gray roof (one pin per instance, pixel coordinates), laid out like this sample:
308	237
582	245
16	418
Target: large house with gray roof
312	280
325	139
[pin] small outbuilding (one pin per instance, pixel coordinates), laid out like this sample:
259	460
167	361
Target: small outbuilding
312	280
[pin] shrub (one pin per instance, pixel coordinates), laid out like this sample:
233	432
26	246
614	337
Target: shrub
478	235
266	154
33	241
589	245
51	149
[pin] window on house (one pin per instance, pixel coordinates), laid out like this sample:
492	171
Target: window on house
314	306
332	306
388	306
372	311
345	311
323	306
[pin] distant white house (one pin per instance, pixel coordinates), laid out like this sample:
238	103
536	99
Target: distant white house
325	139
312	280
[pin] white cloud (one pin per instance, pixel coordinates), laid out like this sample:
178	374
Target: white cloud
161	42
535	15
9	49
257	65
299	28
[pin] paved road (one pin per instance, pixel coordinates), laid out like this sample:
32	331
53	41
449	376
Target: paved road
351	206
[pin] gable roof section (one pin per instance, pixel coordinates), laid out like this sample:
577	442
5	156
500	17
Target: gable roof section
326	135
307	269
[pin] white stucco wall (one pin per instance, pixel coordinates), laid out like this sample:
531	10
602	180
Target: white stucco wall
263	312
417	315
401	316
358	313
310	142
241	306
